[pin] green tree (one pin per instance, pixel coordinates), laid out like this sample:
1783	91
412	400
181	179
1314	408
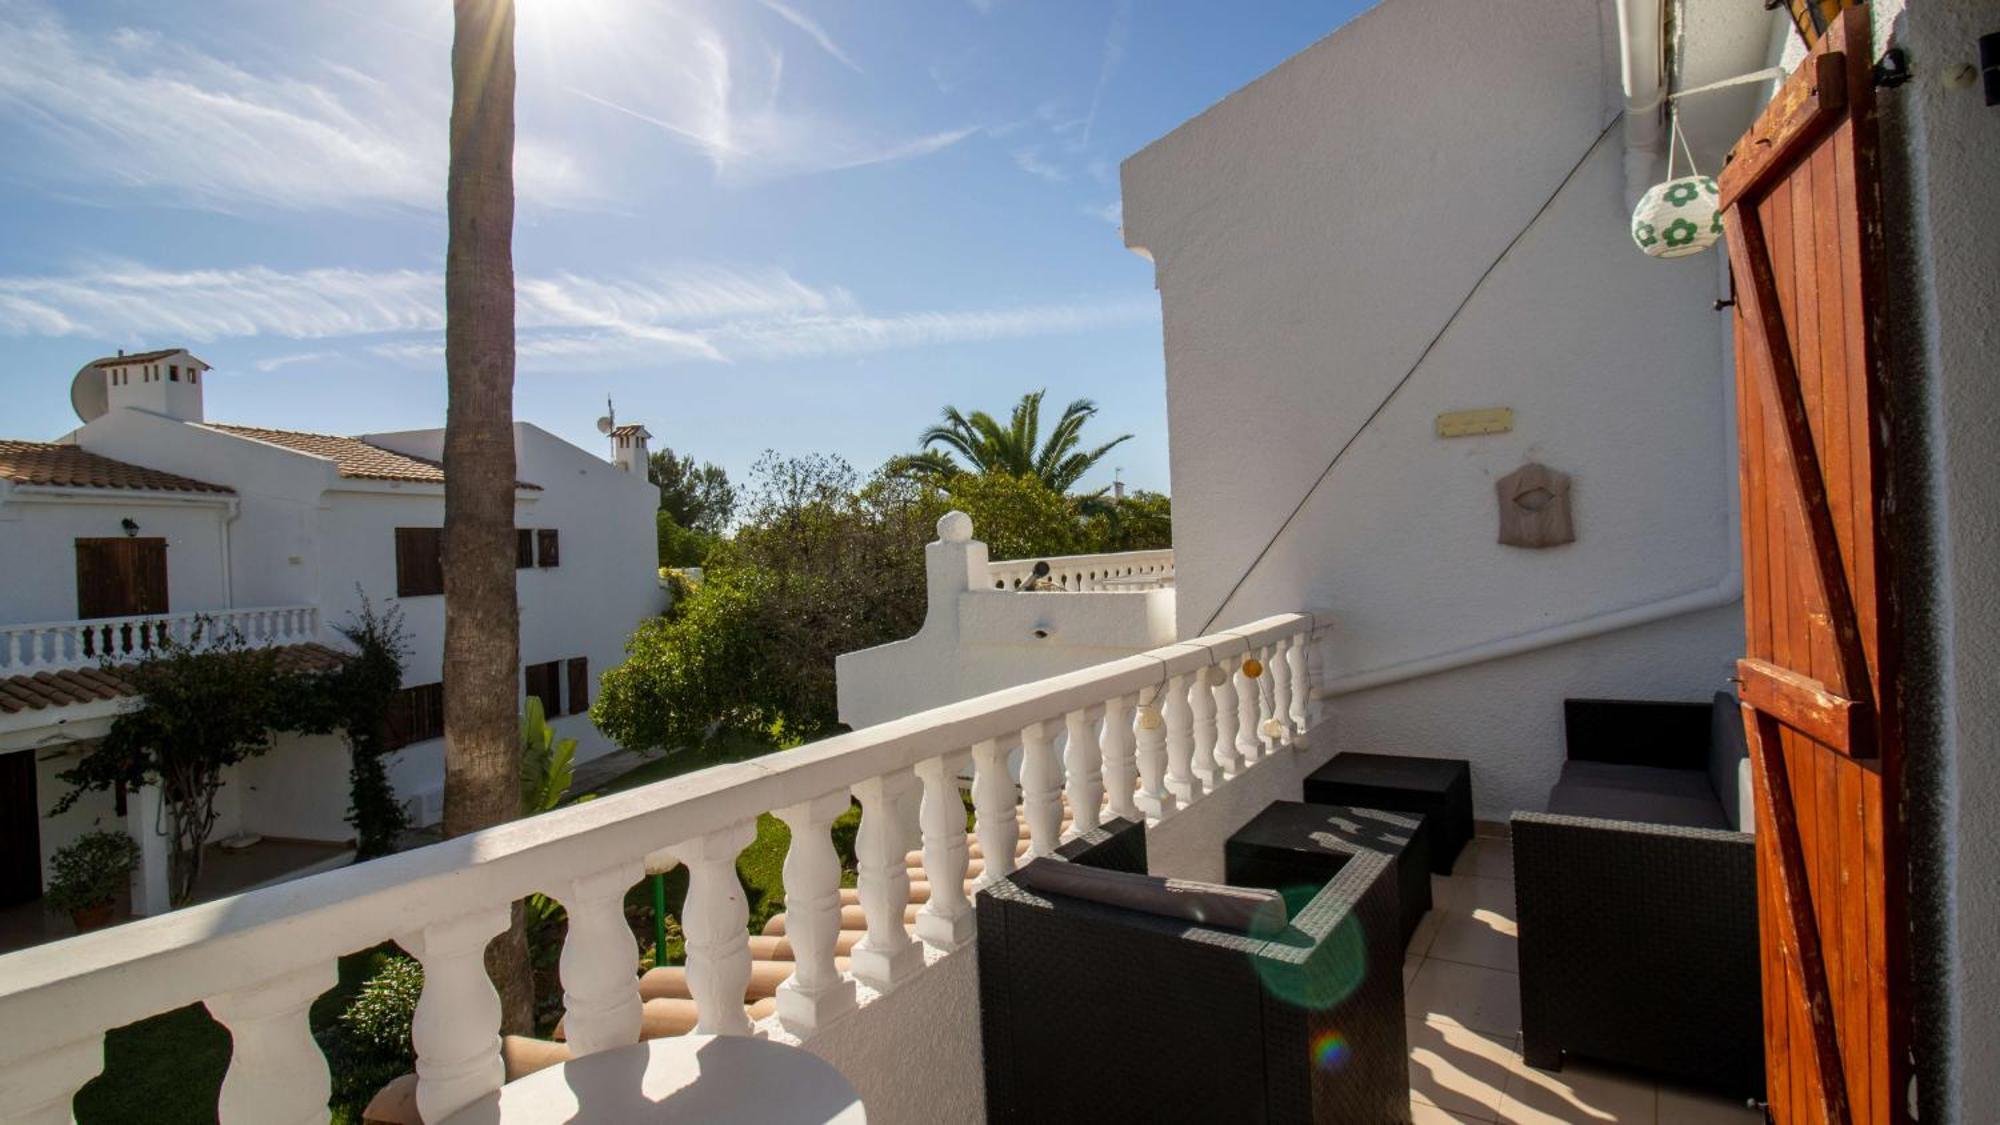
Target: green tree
1017	517
1015	449
699	497
1140	521
680	546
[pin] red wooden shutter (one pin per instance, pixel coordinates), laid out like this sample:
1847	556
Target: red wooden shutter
579	685
1803	216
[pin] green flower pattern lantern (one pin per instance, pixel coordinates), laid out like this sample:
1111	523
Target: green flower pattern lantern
1677	218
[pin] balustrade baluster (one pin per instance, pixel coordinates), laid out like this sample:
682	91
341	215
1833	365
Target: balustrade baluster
715	921
456	1030
1120	767
1315	677
1295	665
38	1089
276	1071
1247	746
1155	800
1201	707
1223	693
1084	759
886	956
600	960
1270	728
816	993
946	920
1041	792
1180	742
995	821
1281	689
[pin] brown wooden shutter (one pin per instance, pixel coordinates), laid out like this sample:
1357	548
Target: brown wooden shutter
419	561
428	712
149	575
548	547
399	718
524	548
544	683
579	685
120	577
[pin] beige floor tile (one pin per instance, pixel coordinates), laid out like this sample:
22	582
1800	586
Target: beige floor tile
1424	1113
1489	900
1458	1069
1479	938
1410	966
1688	1107
1443	887
1486	858
1493	829
1480	998
1579	1095
1426	932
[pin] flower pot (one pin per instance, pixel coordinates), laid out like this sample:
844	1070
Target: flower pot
93	917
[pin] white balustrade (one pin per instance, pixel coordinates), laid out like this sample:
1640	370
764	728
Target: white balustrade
456	1030
995	821
1041	790
1223	692
1270	729
1122	571
1121	773
1083	760
816	993
714	921
278	1073
54	646
600	957
445	902
1154	799
946	920
886	956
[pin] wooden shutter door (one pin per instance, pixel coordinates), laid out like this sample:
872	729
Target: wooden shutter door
20	830
1803	216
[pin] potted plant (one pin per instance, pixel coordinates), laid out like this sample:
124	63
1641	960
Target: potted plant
88	874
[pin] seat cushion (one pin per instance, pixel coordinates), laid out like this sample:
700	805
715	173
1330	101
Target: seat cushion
1244	910
1645	794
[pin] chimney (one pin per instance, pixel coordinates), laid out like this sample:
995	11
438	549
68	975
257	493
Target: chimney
628	448
163	382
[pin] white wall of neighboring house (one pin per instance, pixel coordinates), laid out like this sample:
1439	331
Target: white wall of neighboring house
298	533
1311	235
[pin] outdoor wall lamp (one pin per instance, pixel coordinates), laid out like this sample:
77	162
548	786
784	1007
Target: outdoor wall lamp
130	525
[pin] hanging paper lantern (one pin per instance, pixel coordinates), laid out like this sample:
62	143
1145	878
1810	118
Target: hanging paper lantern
1678	218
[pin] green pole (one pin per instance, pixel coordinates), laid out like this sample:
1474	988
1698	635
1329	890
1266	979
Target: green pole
659	919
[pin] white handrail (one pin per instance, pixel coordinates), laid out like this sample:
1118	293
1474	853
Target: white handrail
257	957
54	646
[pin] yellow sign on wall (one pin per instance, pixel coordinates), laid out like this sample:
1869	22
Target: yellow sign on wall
1463	423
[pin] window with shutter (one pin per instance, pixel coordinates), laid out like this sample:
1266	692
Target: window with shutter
544	683
419	561
524	548
579	685
548	547
415	714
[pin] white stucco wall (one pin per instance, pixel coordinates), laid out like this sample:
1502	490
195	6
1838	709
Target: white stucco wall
1311	235
38	555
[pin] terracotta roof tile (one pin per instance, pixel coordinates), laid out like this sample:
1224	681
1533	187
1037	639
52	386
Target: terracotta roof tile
72	466
42	690
633	430
351	457
136	357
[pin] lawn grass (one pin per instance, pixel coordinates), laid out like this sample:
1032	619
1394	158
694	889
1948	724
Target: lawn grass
167	1070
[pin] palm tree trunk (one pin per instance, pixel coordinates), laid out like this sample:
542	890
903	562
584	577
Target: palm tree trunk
481	618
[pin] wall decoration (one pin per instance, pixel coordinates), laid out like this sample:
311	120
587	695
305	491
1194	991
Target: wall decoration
1534	507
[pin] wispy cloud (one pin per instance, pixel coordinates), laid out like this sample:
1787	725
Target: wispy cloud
1029	159
813	31
1112	212
1114	53
690	313
136	109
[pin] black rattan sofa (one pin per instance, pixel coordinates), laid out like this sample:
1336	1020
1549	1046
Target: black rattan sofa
1636	898
1091	1012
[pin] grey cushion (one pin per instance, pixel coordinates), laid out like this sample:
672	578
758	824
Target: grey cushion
1244	910
1642	793
1727	751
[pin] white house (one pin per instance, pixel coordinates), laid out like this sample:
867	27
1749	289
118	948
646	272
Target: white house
149	510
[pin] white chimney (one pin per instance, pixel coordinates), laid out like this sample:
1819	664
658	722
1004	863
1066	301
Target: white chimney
628	448
164	382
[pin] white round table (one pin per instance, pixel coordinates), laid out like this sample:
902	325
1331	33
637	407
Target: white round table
705	1079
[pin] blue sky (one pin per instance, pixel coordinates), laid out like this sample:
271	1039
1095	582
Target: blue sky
802	225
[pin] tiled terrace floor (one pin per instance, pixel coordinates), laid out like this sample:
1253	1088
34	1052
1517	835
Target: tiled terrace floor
1464	1011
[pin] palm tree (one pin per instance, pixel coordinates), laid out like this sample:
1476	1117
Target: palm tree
482	749
1012	449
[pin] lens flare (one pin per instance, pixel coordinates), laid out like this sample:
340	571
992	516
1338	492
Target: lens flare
1329	1050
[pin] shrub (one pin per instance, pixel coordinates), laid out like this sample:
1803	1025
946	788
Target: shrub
92	870
369	1044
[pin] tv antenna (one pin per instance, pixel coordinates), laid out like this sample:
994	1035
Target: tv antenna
609	423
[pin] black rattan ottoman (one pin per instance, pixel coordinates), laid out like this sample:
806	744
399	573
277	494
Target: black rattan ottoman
1439	788
1295	848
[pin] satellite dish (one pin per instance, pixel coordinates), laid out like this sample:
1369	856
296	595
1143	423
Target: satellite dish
604	424
88	393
